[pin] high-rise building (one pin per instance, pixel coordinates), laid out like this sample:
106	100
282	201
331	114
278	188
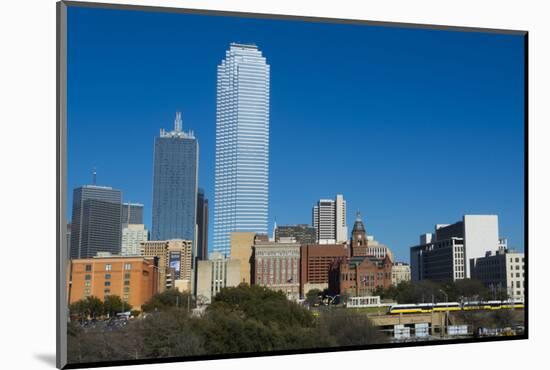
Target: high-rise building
132	213
202	225
242	145
95	224
304	234
175	186
443	255
132	237
329	220
174	262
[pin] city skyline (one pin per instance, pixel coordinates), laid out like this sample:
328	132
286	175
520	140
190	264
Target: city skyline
475	184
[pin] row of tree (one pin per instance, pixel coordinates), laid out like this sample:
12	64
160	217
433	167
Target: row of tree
428	291
92	307
239	320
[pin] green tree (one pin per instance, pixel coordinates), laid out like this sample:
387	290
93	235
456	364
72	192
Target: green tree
313	296
170	298
89	307
113	305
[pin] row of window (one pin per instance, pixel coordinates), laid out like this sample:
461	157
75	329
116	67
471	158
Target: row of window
109	267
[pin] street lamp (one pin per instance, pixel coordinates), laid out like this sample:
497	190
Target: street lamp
447	311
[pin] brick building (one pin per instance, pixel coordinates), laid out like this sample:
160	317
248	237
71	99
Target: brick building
360	276
133	279
365	245
315	263
276	266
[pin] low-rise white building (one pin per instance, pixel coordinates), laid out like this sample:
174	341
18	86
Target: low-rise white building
400	271
501	270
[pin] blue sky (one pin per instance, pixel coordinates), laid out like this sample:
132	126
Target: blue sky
415	127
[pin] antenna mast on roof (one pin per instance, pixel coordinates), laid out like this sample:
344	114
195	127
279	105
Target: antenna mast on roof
178	122
94	176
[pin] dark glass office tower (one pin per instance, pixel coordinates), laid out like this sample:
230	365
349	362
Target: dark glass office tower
132	213
202	226
96	223
175	175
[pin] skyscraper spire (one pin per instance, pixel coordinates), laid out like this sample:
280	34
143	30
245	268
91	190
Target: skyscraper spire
94	176
178	122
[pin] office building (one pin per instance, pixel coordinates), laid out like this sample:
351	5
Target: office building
502	271
132	213
242	243
133	279
303	233
277	266
329	220
174	262
400	272
214	274
96	221
202	225
443	255
132	237
315	260
175	176
242	145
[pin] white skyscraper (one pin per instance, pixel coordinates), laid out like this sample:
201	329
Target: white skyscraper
242	145
329	220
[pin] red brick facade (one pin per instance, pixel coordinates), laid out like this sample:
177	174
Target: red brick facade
360	276
316	260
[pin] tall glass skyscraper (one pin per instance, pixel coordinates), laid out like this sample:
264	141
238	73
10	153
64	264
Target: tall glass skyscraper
175	176
242	145
96	221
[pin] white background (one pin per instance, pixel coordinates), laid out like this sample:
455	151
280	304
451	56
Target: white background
27	204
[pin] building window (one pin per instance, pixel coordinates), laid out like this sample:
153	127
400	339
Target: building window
87	283
88	277
108	267
86	291
107	283
127	266
107	276
126	282
88	268
126	289
127	275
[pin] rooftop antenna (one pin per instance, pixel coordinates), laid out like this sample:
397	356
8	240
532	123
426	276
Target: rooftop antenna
94	176
178	122
358	216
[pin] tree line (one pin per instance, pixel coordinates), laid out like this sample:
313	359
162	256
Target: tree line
240	319
426	291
